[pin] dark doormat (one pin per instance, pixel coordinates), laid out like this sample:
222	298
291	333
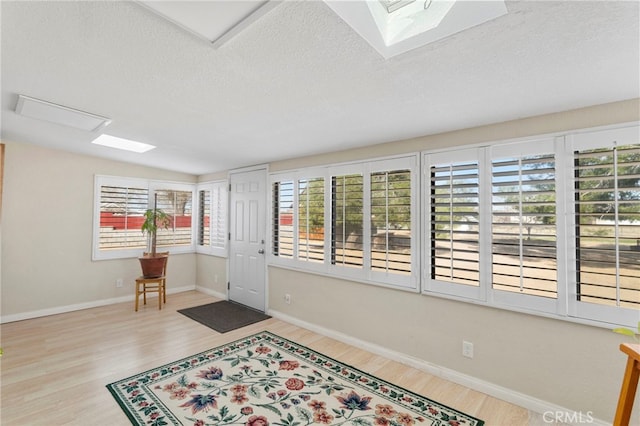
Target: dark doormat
224	316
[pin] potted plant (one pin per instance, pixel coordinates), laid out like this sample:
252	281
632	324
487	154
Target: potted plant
152	264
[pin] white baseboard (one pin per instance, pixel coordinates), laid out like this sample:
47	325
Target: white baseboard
211	292
500	392
80	306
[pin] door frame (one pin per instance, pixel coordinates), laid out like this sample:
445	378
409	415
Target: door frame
265	219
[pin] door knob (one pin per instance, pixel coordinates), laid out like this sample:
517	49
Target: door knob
261	251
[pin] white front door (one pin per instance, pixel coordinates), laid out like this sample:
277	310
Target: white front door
247	224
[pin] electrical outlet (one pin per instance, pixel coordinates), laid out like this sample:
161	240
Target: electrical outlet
119	282
215	278
467	349
287	299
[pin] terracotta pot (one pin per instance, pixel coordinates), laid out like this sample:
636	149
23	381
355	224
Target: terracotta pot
152	267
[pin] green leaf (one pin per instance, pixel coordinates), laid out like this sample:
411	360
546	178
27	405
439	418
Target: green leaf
254	392
224	411
271	408
264	362
182	381
624	331
304	414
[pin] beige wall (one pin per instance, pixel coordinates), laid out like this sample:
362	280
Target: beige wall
600	115
211	274
213	177
47	232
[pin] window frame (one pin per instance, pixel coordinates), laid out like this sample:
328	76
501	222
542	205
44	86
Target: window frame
434	286
484	293
219	215
295	262
408	282
528	301
151	186
155	186
411	281
565	306
579	309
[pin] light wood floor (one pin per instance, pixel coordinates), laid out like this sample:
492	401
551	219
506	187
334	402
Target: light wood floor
54	369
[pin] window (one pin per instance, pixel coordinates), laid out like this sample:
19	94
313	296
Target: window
606	217
204	218
119	214
282	237
353	221
391	221
549	225
492	224
607	210
523	225
347	221
212	218
311	219
298	218
452	200
179	206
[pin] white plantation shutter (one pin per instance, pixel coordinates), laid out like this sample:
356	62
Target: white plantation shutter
347	221
212	218
526	201
523	225
607	217
282	227
391	221
455	227
120	204
204	217
219	212
453	200
605	282
179	206
310	219
543	225
351	221
121	215
298	219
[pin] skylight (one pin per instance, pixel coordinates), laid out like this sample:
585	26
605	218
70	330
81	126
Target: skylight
394	27
124	144
398	20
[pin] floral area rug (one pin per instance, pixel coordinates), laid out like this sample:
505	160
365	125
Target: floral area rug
265	380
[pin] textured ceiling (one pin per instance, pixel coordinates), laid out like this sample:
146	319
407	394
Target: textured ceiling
300	81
